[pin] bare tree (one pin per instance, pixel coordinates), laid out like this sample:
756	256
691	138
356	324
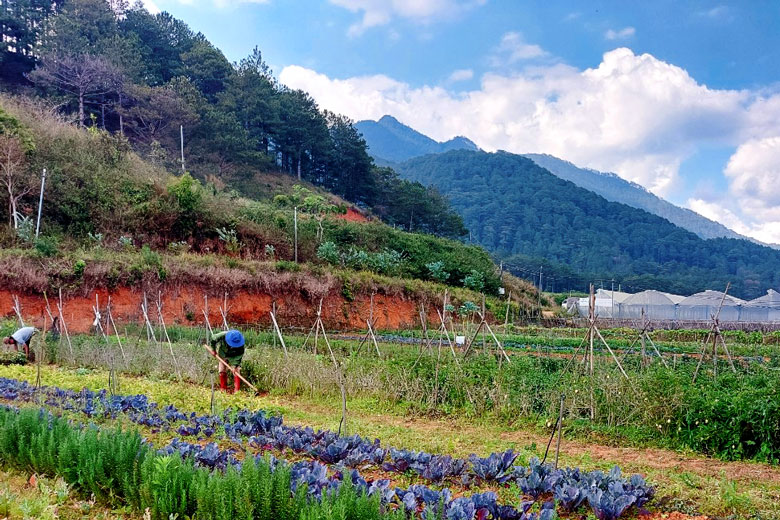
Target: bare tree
149	113
14	175
84	77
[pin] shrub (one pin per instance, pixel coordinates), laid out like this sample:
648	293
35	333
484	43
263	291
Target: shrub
436	271
187	192
47	246
475	281
25	229
357	259
78	268
328	252
125	243
230	238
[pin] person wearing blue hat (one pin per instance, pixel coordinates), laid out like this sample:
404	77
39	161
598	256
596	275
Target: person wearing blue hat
229	345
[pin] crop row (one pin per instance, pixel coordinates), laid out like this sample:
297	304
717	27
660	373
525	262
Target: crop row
608	495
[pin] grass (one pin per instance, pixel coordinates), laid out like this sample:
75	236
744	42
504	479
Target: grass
685	482
26	497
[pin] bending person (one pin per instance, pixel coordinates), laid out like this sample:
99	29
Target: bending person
228	345
22	338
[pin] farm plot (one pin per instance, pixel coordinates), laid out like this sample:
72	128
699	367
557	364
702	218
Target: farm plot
326	472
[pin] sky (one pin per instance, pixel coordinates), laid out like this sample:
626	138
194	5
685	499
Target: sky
680	97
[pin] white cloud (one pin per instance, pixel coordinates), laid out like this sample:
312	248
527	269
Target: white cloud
222	4
764	231
381	12
632	114
513	48
716	12
235	3
622	34
151	6
461	75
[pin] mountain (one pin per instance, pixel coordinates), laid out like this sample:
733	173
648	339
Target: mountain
614	188
391	141
529	217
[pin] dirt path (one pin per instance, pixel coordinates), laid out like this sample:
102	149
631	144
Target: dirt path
472	438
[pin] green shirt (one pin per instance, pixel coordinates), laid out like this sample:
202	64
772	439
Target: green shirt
233	356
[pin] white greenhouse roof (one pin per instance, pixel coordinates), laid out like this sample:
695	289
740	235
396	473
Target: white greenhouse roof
710	298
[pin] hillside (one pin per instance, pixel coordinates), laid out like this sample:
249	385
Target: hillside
616	189
391	141
152	81
529	217
388	138
113	221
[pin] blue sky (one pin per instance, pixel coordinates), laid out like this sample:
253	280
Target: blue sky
678	96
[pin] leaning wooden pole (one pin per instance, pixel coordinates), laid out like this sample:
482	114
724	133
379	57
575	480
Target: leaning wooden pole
64	326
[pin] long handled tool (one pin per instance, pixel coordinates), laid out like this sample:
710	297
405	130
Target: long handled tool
235	372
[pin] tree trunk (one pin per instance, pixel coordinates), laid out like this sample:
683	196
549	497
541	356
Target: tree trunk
121	118
81	109
299	167
14	215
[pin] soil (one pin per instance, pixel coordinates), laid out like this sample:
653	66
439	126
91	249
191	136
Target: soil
186	305
353	215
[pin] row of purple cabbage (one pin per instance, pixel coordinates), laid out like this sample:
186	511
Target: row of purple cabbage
608	494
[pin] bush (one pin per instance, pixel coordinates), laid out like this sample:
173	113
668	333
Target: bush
78	268
329	253
436	271
357	259
475	281
387	262
47	246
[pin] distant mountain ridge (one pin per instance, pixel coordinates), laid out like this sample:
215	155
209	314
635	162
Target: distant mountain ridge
616	189
529	217
391	141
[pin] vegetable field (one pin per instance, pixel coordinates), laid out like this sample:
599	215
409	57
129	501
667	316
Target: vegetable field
211	444
241	454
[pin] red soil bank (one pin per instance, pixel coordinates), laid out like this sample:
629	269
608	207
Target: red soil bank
185	307
353	215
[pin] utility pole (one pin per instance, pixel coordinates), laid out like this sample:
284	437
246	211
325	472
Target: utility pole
40	204
613	299
181	134
295	226
540	291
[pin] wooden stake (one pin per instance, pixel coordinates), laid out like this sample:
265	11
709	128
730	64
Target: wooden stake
560	427
278	331
167	337
64	326
224	313
18	310
116	331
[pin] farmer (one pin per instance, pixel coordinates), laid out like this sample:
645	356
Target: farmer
228	345
22	337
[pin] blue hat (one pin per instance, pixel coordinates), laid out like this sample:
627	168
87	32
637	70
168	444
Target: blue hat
234	338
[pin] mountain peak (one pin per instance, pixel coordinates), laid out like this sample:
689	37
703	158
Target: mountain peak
388	119
389	140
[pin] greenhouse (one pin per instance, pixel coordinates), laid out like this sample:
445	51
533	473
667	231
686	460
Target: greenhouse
653	304
657	305
765	308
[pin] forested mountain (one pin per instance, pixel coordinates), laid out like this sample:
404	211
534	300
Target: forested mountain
144	77
391	141
616	189
529	217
